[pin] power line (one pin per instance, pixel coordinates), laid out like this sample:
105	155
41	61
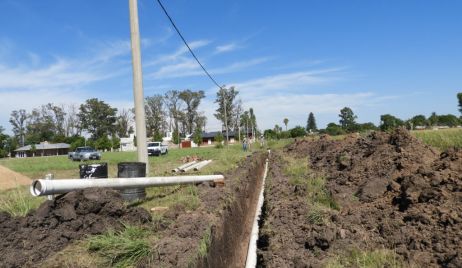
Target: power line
186	43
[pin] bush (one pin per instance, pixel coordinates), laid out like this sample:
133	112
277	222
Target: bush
334	129
219	138
297	131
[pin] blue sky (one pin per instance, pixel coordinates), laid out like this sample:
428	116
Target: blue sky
287	58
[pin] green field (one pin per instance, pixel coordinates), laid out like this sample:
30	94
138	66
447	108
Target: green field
442	139
62	167
19	201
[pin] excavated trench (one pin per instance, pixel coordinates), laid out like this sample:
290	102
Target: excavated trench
230	237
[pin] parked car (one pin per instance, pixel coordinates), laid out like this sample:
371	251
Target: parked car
85	153
157	148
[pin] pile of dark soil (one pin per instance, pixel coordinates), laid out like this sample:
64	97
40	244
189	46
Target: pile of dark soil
28	240
394	192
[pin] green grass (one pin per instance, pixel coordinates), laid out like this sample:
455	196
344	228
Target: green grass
278	144
366	259
317	196
182	195
442	138
18	201
123	248
202	249
62	167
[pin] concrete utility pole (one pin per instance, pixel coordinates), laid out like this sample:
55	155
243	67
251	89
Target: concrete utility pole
140	121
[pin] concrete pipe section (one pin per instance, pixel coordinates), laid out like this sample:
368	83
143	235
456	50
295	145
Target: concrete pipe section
49	187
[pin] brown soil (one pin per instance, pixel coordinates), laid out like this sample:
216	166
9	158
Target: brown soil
10	179
28	240
394	192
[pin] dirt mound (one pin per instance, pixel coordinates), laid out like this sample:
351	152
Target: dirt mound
10	179
394	192
28	240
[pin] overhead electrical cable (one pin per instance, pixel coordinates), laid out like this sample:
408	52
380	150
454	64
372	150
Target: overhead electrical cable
186	43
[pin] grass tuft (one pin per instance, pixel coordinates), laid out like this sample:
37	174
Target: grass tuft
318	197
123	248
366	259
18	202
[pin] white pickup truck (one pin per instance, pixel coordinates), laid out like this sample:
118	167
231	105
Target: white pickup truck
157	148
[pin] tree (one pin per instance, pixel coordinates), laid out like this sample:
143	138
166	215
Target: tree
46	123
297	131
334	129
237	117
245	123
311	123
18	121
176	136
277	128
418	120
192	99
197	137
433	119
367	126
270	134
200	121
124	119
226	103
155	115
219	139
4	143
253	122
389	122
347	119
449	120
71	121
39	127
459	98
97	117
103	143
286	121
173	102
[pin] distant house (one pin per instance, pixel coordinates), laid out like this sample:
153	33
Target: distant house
128	144
208	138
43	149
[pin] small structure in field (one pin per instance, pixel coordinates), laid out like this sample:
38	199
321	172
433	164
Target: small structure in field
43	149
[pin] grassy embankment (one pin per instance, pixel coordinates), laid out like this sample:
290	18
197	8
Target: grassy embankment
442	139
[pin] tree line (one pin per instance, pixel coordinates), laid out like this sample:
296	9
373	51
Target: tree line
176	111
347	124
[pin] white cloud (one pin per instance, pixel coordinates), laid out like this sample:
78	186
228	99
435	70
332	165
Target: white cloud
286	82
189	67
226	48
32	82
178	55
276	97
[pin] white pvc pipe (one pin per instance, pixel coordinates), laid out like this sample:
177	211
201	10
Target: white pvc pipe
49	187
202	164
192	166
251	261
184	166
